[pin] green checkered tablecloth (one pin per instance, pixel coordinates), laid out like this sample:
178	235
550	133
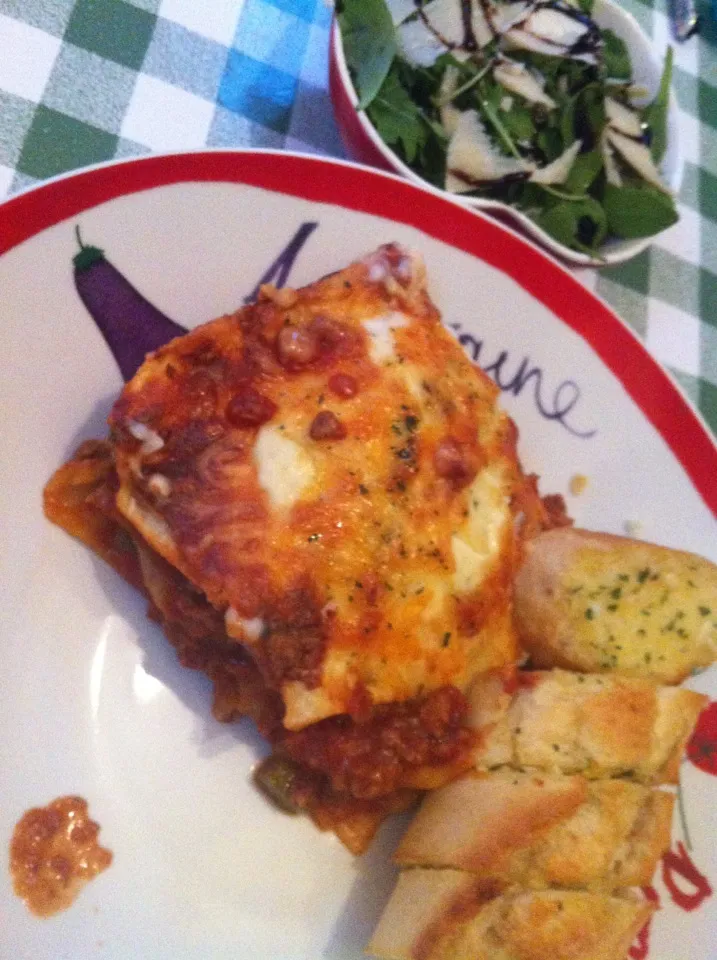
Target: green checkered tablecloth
83	81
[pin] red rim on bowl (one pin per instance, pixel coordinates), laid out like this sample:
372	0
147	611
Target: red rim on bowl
356	133
358	188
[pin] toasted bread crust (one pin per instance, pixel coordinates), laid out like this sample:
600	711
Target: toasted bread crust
540	830
599	603
449	915
596	725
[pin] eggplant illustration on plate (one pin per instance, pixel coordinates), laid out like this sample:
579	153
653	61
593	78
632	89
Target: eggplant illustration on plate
131	326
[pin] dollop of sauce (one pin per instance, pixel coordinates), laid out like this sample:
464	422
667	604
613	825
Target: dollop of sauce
54	852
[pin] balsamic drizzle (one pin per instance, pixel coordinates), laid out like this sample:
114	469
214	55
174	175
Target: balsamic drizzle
469	38
588	43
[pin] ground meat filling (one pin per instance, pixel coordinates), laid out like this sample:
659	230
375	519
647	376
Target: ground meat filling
293	644
369	759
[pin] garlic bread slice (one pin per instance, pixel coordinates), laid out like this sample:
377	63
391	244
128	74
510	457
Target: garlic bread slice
594	724
598	603
449	915
542	830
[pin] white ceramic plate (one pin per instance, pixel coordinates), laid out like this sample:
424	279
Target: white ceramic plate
364	143
92	700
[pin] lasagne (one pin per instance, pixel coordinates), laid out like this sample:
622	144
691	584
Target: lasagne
324	505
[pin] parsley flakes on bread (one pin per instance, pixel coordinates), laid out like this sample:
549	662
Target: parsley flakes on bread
595	603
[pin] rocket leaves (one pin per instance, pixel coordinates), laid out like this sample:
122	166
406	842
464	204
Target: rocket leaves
637	211
369	44
586	168
399	120
414	112
616	58
656	112
579	224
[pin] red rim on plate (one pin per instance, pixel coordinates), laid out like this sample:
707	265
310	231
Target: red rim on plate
384	195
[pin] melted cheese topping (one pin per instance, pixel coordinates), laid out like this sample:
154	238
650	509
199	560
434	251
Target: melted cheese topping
284	468
380	330
479	540
246	629
349	559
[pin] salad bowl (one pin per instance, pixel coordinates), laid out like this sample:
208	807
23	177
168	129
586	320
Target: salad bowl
365	144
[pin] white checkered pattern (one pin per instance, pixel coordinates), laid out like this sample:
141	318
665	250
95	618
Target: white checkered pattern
6	177
225	73
164	117
28	56
214	19
673	336
684	240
